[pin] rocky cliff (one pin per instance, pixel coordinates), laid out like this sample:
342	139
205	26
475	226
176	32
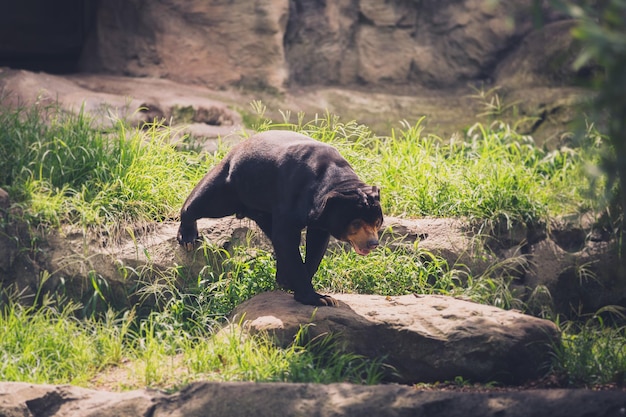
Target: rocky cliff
276	43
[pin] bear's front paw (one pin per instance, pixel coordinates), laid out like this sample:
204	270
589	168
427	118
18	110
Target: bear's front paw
327	300
315	299
187	236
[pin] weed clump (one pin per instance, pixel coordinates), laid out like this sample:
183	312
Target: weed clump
61	169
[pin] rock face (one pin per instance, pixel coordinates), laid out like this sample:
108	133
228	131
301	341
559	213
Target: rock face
346	42
214	43
277	399
439	44
426	338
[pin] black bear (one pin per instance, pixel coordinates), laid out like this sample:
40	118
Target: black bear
285	182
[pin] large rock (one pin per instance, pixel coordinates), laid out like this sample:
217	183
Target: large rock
278	399
108	99
27	400
198	41
425	338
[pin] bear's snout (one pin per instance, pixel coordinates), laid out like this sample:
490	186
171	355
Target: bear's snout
372	244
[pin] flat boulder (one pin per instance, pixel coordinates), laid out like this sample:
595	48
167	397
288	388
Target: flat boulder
282	399
425	338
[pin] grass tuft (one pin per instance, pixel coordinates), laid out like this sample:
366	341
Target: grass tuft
62	169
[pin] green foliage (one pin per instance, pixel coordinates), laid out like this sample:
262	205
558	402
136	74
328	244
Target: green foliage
389	272
68	171
592	353
202	300
237	356
63	169
47	345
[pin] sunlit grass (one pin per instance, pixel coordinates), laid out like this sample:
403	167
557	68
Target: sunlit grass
67	171
489	173
390	272
46	345
49	345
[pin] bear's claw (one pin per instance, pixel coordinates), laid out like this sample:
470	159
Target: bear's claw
183	236
316	299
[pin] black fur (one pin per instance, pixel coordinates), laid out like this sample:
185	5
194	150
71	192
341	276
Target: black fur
285	182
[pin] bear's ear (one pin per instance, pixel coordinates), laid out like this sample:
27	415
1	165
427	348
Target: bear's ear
363	197
374	195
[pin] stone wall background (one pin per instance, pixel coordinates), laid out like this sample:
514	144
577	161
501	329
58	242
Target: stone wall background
286	43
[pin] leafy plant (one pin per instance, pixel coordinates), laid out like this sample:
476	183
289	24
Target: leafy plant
491	102
592	353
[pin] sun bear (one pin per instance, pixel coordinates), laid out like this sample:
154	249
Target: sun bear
286	182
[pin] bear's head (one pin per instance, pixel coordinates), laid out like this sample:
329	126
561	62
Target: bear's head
354	216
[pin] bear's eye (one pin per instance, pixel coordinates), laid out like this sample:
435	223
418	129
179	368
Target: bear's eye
355	225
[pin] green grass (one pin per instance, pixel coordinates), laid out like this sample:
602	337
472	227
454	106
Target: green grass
390	272
490	174
67	171
60	169
228	279
47	345
593	353
51	346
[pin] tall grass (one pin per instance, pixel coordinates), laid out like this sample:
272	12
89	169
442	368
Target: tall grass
204	299
48	345
390	272
236	355
592	353
64	170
